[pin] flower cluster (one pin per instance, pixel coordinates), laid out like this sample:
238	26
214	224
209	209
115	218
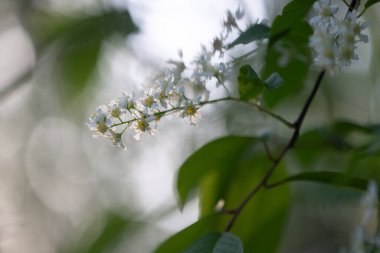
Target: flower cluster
178	89
361	241
334	40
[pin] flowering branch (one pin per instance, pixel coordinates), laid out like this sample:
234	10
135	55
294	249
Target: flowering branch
298	123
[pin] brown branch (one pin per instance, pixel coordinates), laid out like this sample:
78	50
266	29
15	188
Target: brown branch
264	181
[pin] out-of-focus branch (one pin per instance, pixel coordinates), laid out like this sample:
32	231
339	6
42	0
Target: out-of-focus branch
16	84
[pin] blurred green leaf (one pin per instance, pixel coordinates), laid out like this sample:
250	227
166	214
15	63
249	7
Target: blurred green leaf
289	57
253	33
183	239
221	156
217	243
261	223
227	169
288	53
369	3
110	236
79	30
294	12
250	84
340	139
78	41
332	178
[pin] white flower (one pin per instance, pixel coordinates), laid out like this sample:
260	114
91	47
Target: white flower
142	125
325	48
116	139
325	12
126	101
99	121
148	100
351	28
190	111
114	109
334	41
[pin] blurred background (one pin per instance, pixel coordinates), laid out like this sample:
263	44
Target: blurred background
62	190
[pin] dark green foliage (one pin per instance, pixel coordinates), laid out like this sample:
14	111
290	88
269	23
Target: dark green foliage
288	53
217	243
253	33
183	239
78	41
250	84
329	177
369	3
219	156
227	169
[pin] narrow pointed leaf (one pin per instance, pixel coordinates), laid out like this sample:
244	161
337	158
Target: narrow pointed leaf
332	178
253	33
369	3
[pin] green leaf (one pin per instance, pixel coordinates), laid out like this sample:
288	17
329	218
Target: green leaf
274	81
253	33
332	178
336	141
110	236
77	41
294	12
250	84
369	3
289	57
217	243
184	238
72	31
261	224
266	214
288	53
220	155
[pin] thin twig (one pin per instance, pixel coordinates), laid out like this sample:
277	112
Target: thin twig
276	162
19	82
175	109
268	152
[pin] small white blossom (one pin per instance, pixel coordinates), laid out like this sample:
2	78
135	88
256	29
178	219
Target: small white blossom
116	139
334	41
191	112
99	121
325	13
143	125
360	237
325	47
126	101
